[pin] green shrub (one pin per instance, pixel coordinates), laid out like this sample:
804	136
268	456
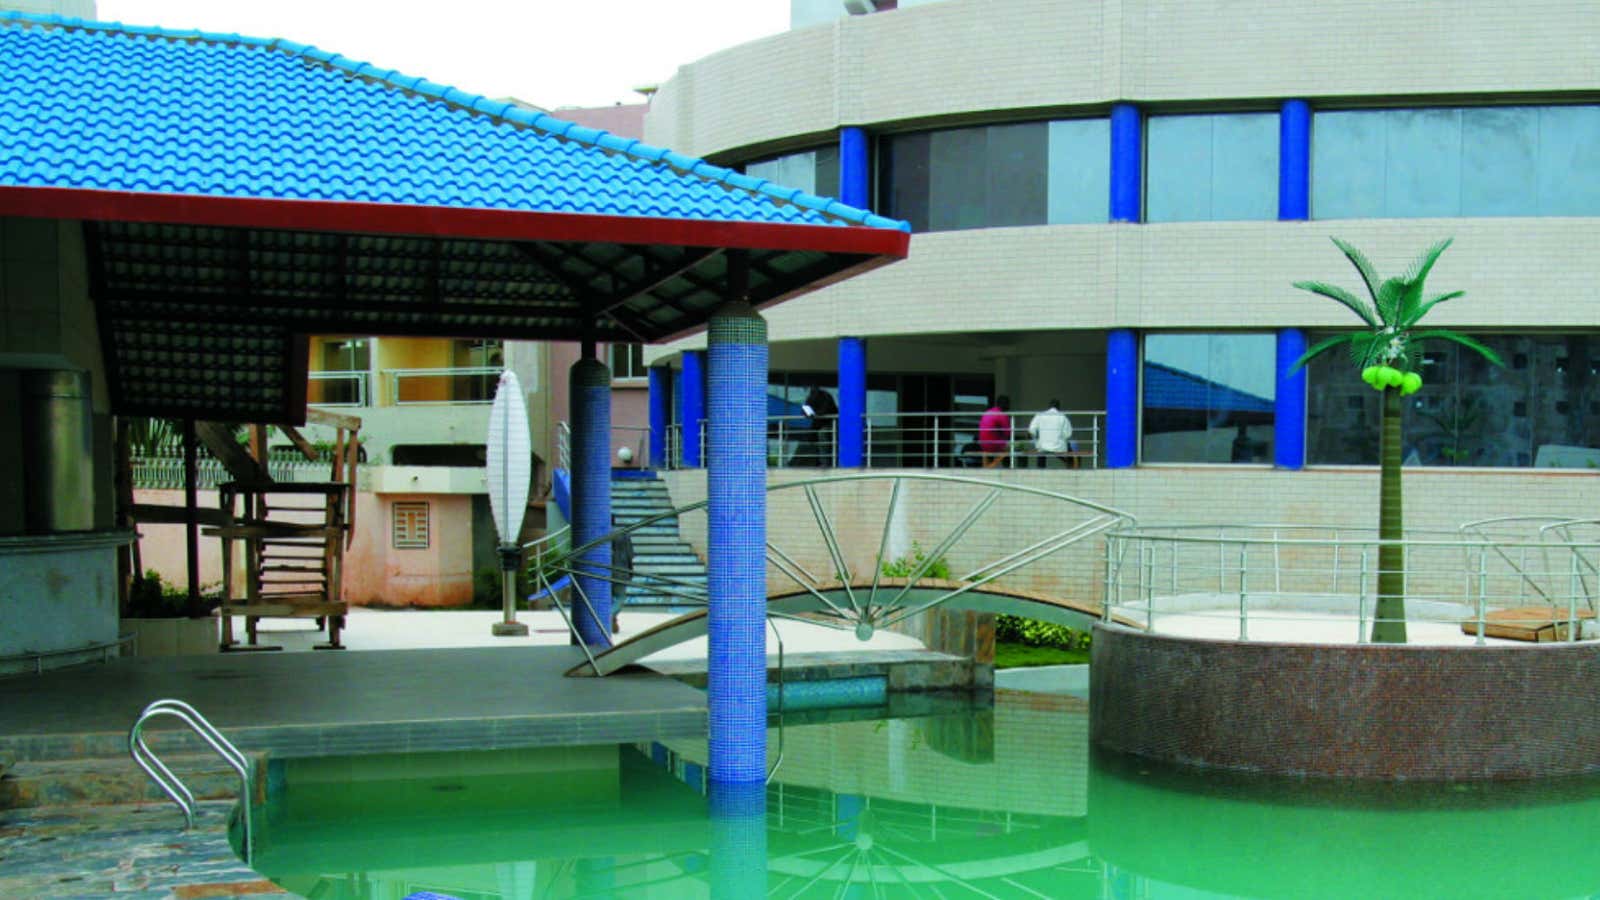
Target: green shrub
902	567
1033	633
150	598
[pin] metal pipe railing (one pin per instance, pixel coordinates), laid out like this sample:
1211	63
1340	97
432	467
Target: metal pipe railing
171	784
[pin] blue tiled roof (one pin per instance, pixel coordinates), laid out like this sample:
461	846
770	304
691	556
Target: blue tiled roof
105	106
1169	388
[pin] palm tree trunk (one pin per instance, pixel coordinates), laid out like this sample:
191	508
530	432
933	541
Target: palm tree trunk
1389	626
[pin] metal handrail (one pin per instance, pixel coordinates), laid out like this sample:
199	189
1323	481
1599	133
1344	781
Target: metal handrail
488	373
564	445
358	377
171	784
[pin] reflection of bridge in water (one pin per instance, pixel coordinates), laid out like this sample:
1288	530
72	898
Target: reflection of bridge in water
925	528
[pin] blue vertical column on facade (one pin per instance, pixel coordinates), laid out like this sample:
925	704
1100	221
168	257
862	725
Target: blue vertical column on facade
1294	161
590	382
660	414
852	428
1289	413
1122	398
1127	163
855	182
736	525
693	405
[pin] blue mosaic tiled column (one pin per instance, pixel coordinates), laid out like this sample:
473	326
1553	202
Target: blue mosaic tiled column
660	414
736	523
1122	398
852	423
1289	426
1127	162
1294	161
738	840
854	168
591	494
693	405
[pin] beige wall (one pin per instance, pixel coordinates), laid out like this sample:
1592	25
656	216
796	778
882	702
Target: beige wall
376	573
967	57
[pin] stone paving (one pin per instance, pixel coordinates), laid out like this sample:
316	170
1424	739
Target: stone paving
129	852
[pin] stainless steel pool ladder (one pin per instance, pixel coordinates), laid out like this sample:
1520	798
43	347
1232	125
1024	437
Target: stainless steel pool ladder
171	784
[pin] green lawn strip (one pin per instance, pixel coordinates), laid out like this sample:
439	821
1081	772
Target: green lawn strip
1019	656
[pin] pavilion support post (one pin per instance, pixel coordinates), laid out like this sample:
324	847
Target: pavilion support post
736	545
191	513
738	839
590	382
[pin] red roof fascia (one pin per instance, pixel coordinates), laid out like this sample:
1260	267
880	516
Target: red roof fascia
439	221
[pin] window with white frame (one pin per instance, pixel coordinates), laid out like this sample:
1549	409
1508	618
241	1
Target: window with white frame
411	526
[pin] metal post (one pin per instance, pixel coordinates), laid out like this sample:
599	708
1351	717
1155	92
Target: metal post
1361	602
191	513
1244	603
1105	600
1483	590
938	449
1147	567
1572	594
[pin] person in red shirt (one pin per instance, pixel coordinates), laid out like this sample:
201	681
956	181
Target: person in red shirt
994	432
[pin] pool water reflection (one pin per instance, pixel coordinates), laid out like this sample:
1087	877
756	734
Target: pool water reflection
997	802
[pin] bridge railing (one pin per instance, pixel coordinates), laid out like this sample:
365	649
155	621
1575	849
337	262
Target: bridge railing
1296	582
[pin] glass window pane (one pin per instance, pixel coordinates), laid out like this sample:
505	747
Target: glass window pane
1569	161
1221	167
1499	146
1244	167
1347	165
903	184
1079	161
1016	162
1178	169
1209	398
826	161
958	182
796	170
1423	172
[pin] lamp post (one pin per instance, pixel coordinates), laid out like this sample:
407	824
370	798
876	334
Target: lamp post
509	469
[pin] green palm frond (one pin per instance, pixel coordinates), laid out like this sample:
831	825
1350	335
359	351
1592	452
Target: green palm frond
1455	337
1320	347
1364	348
1421	310
1390	295
1362	264
1419	270
1334	292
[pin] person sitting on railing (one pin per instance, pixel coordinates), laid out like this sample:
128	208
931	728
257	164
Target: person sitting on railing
1052	433
994	433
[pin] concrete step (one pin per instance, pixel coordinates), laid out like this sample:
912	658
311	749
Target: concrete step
108	780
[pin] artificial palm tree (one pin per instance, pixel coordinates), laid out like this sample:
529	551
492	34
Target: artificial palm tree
1389	356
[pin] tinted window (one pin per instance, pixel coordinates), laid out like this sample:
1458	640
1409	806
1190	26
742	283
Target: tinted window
1221	167
1208	397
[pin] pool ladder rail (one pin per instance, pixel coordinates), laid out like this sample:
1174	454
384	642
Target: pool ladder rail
171	784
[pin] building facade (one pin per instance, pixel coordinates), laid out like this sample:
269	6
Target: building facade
1111	201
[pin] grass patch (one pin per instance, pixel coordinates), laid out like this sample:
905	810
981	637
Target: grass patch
1009	655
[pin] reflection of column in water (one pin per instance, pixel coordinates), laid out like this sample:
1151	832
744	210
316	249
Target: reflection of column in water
517	880
738	839
847	815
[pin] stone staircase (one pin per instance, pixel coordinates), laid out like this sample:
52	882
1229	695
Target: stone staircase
95	770
657	548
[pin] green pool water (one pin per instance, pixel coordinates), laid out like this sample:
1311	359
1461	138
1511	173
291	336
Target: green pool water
1000	802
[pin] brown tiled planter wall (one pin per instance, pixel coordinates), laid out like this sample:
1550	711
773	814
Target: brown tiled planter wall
1367	711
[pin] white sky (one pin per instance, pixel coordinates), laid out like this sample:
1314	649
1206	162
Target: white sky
550	53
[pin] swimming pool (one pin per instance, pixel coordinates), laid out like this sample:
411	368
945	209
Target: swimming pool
1005	801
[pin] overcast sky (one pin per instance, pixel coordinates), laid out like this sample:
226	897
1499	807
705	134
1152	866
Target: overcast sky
550	53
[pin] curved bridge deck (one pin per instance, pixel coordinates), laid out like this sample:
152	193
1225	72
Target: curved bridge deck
889	596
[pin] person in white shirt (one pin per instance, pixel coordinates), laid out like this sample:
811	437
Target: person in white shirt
1052	433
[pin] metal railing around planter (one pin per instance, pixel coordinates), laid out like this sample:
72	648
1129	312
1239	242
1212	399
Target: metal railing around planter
162	468
1287	582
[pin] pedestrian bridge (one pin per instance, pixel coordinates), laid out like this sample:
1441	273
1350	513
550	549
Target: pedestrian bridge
888	599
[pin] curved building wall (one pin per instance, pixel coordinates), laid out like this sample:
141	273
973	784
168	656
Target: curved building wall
985	56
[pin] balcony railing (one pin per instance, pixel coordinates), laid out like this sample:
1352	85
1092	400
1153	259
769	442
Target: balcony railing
415	387
917	441
337	389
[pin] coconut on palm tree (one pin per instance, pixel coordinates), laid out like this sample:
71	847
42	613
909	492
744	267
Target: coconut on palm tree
1388	355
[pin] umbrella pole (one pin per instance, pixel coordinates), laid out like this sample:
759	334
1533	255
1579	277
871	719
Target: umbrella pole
508	626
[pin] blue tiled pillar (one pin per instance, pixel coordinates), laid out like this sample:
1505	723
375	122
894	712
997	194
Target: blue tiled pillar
1127	162
591	494
660	414
736	524
1294	161
855	181
1122	398
1289	428
738	840
693	407
852	429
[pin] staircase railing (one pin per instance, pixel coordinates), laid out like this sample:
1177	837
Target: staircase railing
171	784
